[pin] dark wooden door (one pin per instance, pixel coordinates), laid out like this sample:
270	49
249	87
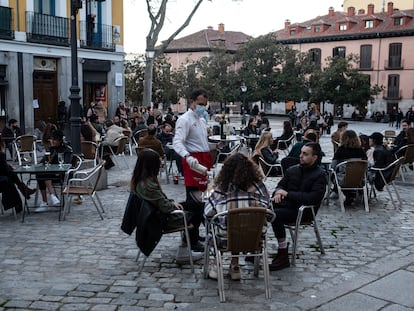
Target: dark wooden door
45	91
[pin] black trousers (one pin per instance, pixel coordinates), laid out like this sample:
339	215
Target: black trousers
195	207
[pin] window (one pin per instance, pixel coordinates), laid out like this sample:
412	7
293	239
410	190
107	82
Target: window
44	7
317	28
393	86
292	31
365	57
339	51
343	27
394	57
315	57
369	24
398	21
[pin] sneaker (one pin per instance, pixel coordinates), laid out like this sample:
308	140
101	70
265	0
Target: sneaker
212	272
53	200
235	274
43	207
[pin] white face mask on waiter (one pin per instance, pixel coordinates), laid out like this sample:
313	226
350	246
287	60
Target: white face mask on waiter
200	110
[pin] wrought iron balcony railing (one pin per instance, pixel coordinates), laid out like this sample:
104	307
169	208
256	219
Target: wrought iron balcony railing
47	29
6	23
96	36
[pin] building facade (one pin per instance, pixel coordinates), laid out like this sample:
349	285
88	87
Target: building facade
381	5
384	42
35	58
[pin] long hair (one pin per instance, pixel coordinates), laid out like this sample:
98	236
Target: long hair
265	140
350	139
287	128
239	171
146	168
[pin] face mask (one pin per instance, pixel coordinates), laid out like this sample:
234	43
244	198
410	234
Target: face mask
199	110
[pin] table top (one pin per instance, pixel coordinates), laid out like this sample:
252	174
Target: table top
217	138
40	168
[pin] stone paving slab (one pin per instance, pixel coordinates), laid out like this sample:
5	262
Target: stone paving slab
85	263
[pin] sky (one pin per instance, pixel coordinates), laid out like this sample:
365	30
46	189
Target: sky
253	17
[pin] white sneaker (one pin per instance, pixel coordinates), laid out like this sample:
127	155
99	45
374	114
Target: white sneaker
43	207
212	272
53	200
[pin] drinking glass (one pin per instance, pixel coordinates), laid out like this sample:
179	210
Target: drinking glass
26	159
61	159
47	158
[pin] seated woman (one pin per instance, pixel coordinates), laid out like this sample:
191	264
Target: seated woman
45	180
239	184
286	134
349	148
263	149
8	181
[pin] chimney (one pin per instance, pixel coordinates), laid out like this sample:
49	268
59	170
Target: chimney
221	28
351	11
287	23
331	11
370	9
210	27
361	12
390	8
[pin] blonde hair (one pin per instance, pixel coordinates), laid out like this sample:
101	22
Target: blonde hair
264	141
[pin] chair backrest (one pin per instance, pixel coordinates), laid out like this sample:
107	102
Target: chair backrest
335	145
355	173
98	172
245	228
88	149
26	142
284	144
389	133
140	133
409	154
122	141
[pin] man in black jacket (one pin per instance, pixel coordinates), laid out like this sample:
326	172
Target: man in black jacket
302	184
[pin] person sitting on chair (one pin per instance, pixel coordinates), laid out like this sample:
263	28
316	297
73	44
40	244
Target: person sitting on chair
113	132
302	184
263	149
239	184
382	158
151	141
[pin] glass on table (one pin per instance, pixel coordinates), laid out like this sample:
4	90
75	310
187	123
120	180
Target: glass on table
61	159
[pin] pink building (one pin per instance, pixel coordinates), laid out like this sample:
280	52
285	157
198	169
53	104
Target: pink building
383	40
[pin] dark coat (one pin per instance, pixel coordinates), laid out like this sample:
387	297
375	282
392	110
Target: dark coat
140	214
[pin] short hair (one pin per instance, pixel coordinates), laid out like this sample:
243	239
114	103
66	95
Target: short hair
109	123
11	121
152	129
316	149
342	124
197	93
406	121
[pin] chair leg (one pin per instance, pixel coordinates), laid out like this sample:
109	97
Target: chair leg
187	236
266	273
318	236
220	276
341	200
365	192
97	207
99	201
67	205
141	266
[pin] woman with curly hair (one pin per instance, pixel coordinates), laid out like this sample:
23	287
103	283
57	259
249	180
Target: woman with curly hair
239	184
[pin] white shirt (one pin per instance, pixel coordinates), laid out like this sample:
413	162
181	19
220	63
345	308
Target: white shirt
190	134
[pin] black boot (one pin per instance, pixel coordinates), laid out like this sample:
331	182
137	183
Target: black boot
26	191
281	260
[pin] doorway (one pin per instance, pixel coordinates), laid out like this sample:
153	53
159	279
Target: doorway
46	93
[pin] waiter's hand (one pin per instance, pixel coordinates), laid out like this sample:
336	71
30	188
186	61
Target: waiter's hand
191	161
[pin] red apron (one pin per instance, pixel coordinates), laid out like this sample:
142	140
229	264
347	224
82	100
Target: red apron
192	178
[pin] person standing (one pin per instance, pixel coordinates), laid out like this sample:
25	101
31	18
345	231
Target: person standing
191	143
302	184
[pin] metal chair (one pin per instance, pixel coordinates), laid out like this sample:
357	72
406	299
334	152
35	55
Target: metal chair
395	166
120	149
407	152
354	178
85	186
285	144
25	145
294	230
244	234
267	167
335	145
221	155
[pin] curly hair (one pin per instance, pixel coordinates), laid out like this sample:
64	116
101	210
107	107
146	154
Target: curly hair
238	170
350	139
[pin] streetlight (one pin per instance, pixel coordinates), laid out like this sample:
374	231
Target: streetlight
75	109
243	88
149	59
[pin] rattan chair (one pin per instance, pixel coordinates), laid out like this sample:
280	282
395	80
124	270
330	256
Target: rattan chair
25	144
85	186
300	223
244	234
355	172
395	166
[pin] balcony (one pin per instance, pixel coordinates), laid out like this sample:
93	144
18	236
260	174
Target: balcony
47	29
394	64
96	36
6	23
366	66
393	94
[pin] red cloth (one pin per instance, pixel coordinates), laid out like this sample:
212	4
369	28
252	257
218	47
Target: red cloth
192	178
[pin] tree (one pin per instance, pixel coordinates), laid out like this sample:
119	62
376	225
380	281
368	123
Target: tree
134	78
157	11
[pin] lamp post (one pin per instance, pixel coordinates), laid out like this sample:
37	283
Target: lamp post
243	88
75	109
149	59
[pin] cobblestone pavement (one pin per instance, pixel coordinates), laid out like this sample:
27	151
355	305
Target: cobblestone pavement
85	263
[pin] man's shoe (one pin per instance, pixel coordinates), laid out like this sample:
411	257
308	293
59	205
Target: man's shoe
42	208
53	200
235	274
281	260
197	247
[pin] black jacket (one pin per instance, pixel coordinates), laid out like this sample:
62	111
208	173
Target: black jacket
140	214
